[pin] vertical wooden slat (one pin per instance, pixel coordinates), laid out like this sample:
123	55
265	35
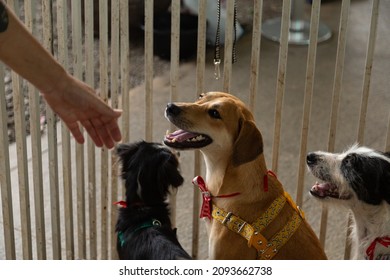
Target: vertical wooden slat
20	133
80	178
342	38
175	47
281	80
125	68
148	69
387	145
47	18
21	148
90	79
228	56
62	29
368	70
200	69
115	104
364	100
255	52
174	77
5	176
201	48
103	74
309	85
36	149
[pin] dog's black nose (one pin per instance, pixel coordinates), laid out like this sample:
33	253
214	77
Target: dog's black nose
172	109
311	159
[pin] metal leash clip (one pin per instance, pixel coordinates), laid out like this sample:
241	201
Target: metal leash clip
217	71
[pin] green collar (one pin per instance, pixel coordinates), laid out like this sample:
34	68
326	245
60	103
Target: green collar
147	224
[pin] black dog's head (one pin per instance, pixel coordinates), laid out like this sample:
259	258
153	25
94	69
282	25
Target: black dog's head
148	170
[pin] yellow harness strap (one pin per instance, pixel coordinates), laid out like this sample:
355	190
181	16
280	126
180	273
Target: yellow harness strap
252	232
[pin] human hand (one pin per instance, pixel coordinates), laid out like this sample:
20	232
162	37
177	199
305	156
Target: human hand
77	103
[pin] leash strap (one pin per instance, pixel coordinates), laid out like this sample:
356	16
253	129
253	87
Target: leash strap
217	56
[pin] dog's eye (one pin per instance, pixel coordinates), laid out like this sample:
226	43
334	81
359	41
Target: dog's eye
214	114
202	95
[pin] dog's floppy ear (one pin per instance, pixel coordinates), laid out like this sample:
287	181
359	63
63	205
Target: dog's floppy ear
126	153
248	145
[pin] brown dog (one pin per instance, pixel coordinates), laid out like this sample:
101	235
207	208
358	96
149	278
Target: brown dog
241	187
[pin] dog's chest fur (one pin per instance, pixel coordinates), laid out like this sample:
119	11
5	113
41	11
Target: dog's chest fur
370	222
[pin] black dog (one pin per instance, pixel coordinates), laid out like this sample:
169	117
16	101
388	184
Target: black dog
144	229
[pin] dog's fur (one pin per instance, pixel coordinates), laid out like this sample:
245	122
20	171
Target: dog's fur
224	130
358	179
148	171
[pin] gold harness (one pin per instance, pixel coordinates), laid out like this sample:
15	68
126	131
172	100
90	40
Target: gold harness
266	249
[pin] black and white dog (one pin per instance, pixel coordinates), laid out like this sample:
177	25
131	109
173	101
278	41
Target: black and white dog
358	179
144	230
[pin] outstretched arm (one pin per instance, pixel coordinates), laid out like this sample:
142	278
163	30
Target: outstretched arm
74	101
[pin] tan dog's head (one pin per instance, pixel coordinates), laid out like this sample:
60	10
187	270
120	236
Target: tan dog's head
216	123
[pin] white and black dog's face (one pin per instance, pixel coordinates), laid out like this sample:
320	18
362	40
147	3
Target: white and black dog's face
359	174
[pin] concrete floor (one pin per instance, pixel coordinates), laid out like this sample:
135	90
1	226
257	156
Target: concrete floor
376	122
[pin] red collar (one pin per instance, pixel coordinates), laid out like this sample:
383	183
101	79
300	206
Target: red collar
205	211
207	196
385	241
265	179
123	204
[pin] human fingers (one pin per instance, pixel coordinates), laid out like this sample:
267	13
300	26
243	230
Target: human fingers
93	134
103	132
76	132
115	132
113	128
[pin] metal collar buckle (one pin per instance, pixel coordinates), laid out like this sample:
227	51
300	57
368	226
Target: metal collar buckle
227	218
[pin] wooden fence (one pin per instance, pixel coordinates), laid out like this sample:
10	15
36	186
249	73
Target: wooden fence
56	196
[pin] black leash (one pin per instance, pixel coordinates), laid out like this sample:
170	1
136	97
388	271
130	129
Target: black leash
217	55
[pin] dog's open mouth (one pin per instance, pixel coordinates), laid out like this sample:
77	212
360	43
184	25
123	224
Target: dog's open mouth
325	190
181	139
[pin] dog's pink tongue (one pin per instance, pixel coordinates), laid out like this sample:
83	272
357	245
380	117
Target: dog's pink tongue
322	189
180	135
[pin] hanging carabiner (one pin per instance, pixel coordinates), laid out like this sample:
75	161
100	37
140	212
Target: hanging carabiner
217	70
